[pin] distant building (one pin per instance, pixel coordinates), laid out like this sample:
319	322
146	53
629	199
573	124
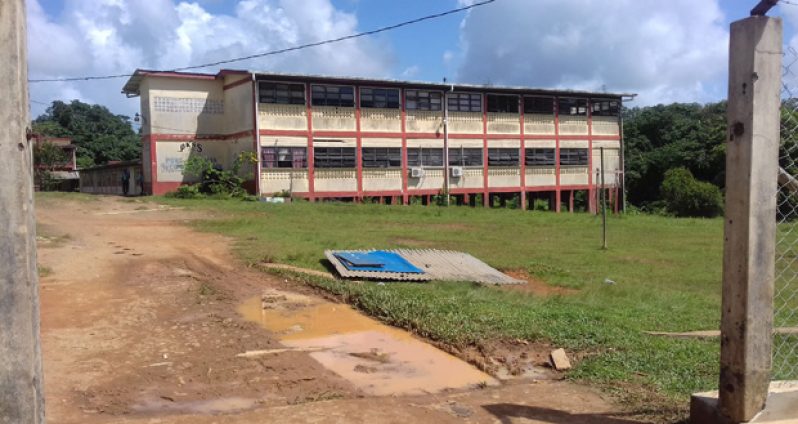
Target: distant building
66	173
110	178
323	137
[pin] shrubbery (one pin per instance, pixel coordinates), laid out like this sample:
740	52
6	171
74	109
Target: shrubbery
686	196
215	181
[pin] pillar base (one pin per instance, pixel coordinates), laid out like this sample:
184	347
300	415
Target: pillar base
781	407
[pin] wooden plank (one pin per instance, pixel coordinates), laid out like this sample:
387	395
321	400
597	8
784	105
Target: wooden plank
750	225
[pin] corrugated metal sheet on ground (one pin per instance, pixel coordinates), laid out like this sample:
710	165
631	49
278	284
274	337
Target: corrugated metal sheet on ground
444	265
376	260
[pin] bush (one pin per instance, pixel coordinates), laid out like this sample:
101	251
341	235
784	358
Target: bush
686	196
186	192
214	180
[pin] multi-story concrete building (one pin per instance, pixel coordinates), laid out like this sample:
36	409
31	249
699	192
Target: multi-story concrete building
323	137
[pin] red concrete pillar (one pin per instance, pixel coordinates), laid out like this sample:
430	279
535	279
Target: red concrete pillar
571	201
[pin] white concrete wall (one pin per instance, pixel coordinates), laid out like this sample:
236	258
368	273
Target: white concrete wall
503	123
238	112
573	125
172	155
335	179
535	124
282	117
380	120
419	121
274	181
185	106
328	118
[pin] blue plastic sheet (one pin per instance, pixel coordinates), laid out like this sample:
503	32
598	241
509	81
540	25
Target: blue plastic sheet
377	260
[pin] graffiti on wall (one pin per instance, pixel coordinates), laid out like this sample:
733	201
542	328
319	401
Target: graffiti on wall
171	164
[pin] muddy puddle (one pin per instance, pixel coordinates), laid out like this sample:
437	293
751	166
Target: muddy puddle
378	359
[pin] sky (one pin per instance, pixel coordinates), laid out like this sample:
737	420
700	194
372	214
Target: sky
664	51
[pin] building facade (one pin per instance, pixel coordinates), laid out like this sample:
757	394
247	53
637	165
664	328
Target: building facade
322	137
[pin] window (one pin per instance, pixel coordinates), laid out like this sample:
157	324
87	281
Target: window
503	157
501	103
284	157
539	105
286	94
424	157
539	157
573	157
332	95
604	108
573	106
465	156
386	98
334	157
382	157
465	102
422	100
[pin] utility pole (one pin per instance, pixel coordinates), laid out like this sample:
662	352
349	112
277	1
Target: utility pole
603	204
446	143
21	396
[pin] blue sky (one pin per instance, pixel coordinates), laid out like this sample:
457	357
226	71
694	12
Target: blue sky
665	50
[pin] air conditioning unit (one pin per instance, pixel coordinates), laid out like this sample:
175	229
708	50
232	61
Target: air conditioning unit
416	172
457	171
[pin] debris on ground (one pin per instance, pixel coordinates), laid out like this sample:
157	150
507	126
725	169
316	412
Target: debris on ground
415	265
559	360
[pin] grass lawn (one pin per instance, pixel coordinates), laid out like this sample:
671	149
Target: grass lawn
667	273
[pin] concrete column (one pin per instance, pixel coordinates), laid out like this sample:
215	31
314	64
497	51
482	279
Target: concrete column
21	396
750	217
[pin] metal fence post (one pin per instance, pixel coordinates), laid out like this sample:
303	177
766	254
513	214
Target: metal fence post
750	226
21	397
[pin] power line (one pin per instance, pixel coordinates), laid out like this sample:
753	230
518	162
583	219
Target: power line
788	2
280	51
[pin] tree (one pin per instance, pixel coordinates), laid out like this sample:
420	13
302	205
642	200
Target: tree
659	138
100	135
46	157
686	196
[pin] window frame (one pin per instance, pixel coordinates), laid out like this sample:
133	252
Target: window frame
342	158
538	152
416	162
290	97
455	159
277	162
609	111
568	153
573	110
327	100
502	162
430	102
388	161
497	95
458	101
538	111
398	98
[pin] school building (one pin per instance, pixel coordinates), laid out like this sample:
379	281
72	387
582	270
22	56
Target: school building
322	137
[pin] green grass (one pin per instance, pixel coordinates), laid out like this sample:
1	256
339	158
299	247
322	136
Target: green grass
667	273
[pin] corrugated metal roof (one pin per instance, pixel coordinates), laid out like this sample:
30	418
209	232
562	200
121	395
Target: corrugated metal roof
443	265
132	85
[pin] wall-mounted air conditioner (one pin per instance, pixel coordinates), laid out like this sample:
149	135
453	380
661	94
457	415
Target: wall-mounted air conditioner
457	171
416	172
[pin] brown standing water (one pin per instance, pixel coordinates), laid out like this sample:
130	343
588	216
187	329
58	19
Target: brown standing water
378	359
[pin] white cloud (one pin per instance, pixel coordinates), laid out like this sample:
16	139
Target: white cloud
664	50
410	72
104	37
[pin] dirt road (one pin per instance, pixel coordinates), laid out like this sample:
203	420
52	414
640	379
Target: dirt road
147	321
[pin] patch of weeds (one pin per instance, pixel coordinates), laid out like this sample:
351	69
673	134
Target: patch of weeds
553	275
316	397
207	291
44	271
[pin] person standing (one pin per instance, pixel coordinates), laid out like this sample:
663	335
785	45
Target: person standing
125	181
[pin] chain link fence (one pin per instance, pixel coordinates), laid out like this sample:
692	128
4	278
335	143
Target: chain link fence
785	343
